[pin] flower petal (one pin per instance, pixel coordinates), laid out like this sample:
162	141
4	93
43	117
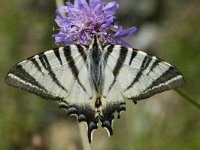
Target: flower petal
63	9
111	6
121	42
93	3
80	4
98	8
125	33
60	20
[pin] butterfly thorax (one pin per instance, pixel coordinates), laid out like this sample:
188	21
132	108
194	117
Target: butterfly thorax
96	66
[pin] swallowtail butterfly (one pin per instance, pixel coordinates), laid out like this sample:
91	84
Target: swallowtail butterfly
93	82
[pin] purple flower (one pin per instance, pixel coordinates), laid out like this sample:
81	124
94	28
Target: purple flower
84	19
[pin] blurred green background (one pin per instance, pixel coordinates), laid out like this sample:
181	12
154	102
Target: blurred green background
168	29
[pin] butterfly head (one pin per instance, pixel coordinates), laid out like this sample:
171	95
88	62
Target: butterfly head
95	43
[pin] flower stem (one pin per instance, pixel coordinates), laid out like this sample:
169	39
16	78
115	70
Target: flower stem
189	99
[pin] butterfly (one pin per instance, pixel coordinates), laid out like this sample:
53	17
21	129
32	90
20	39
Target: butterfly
93	81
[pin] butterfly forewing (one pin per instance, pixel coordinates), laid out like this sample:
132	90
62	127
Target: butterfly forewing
140	75
47	73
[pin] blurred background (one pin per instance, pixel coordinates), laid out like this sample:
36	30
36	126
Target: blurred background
168	29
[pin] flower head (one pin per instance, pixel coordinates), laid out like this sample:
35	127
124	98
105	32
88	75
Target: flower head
85	19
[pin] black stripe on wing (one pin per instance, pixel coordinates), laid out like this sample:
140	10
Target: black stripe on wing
171	73
57	54
72	65
20	72
134	53
119	64
143	67
82	52
154	65
30	83
120	61
36	64
43	59
165	82
108	52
